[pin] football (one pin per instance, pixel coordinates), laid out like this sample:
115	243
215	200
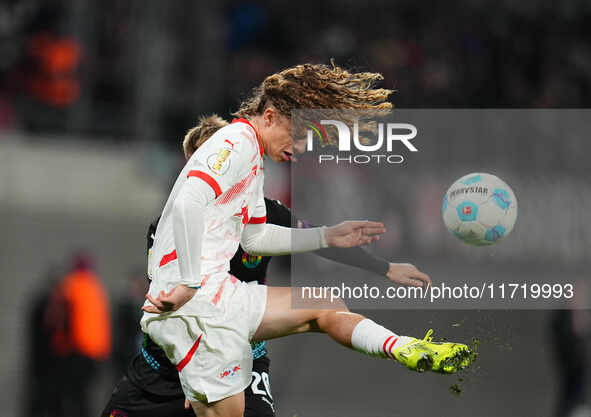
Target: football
480	209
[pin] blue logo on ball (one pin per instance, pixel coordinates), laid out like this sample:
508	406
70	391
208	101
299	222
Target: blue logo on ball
472	179
494	233
501	198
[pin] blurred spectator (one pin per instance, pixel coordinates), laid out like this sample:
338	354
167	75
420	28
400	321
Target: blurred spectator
78	320
53	80
147	63
571	329
69	335
128	335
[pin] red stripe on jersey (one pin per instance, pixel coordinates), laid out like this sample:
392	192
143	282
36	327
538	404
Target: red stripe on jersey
218	295
237	188
244	214
169	257
208	179
243	120
204	280
384	346
257	220
189	356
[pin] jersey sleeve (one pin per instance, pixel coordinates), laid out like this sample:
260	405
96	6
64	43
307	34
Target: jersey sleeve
223	160
259	215
358	257
279	214
188	227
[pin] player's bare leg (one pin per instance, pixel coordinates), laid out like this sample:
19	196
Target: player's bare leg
228	407
280	319
357	332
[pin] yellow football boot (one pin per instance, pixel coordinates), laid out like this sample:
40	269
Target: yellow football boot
424	355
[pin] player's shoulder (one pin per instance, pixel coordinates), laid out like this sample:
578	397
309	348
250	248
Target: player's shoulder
233	147
238	136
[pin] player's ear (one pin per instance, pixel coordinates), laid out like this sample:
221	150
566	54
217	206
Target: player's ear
270	116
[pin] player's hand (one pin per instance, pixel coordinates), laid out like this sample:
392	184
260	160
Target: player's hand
187	404
353	233
172	301
408	274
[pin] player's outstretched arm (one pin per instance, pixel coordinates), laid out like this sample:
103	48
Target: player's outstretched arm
399	273
269	239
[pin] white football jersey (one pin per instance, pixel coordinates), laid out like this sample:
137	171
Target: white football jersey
231	163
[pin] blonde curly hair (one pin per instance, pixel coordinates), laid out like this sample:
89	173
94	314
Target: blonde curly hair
326	88
195	137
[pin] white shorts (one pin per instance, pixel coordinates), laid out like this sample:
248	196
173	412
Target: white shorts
209	337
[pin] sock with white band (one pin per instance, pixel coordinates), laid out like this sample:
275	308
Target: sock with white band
375	340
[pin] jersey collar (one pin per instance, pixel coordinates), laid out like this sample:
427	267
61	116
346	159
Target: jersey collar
243	120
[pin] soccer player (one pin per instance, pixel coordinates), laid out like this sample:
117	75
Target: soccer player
151	386
204	318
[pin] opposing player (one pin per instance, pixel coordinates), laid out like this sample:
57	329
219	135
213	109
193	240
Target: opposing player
151	386
217	203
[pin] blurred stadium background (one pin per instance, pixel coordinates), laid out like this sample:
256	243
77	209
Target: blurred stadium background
96	96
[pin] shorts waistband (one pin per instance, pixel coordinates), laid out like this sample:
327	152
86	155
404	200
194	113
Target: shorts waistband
259	350
154	364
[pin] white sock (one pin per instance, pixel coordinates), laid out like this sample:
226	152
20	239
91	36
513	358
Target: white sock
375	340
